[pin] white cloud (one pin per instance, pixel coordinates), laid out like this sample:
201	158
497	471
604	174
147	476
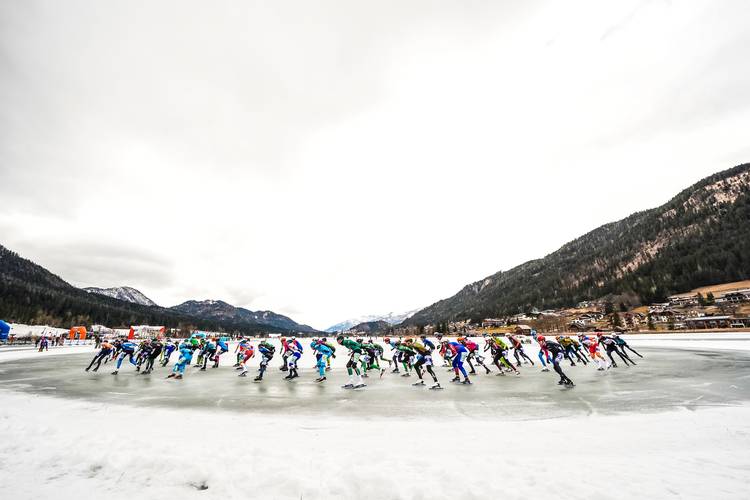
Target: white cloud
339	159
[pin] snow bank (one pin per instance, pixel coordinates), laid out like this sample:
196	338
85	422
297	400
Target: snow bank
23	331
94	450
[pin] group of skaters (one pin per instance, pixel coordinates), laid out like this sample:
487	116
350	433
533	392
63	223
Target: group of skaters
366	356
145	354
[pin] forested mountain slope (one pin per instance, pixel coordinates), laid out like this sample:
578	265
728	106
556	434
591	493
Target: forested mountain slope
700	237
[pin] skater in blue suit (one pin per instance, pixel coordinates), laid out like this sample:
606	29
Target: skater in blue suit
322	353
221	348
186	356
459	352
127	349
295	352
168	350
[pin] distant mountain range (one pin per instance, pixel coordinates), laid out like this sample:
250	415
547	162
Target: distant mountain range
372	327
700	237
31	294
126	293
221	311
391	318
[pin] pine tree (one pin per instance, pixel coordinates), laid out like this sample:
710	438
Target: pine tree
616	320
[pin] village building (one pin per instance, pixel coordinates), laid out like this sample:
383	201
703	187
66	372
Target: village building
712	322
734	297
658	308
519	318
588	304
523	330
493	323
666	316
683	299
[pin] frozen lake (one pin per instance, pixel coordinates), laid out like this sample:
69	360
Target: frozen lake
664	380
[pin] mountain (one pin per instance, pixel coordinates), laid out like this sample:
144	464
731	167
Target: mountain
391	318
220	310
125	293
31	294
700	237
372	327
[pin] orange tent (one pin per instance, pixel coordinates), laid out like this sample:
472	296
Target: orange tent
77	333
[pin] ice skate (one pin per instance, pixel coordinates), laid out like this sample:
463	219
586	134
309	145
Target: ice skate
418	384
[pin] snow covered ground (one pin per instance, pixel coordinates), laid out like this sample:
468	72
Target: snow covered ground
734	341
677	425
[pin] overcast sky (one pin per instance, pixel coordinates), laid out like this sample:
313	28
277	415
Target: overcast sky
331	159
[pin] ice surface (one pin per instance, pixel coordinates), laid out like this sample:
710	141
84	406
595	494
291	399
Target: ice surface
677	425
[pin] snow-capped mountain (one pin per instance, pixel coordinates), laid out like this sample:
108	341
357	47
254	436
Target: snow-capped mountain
220	310
125	293
390	318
